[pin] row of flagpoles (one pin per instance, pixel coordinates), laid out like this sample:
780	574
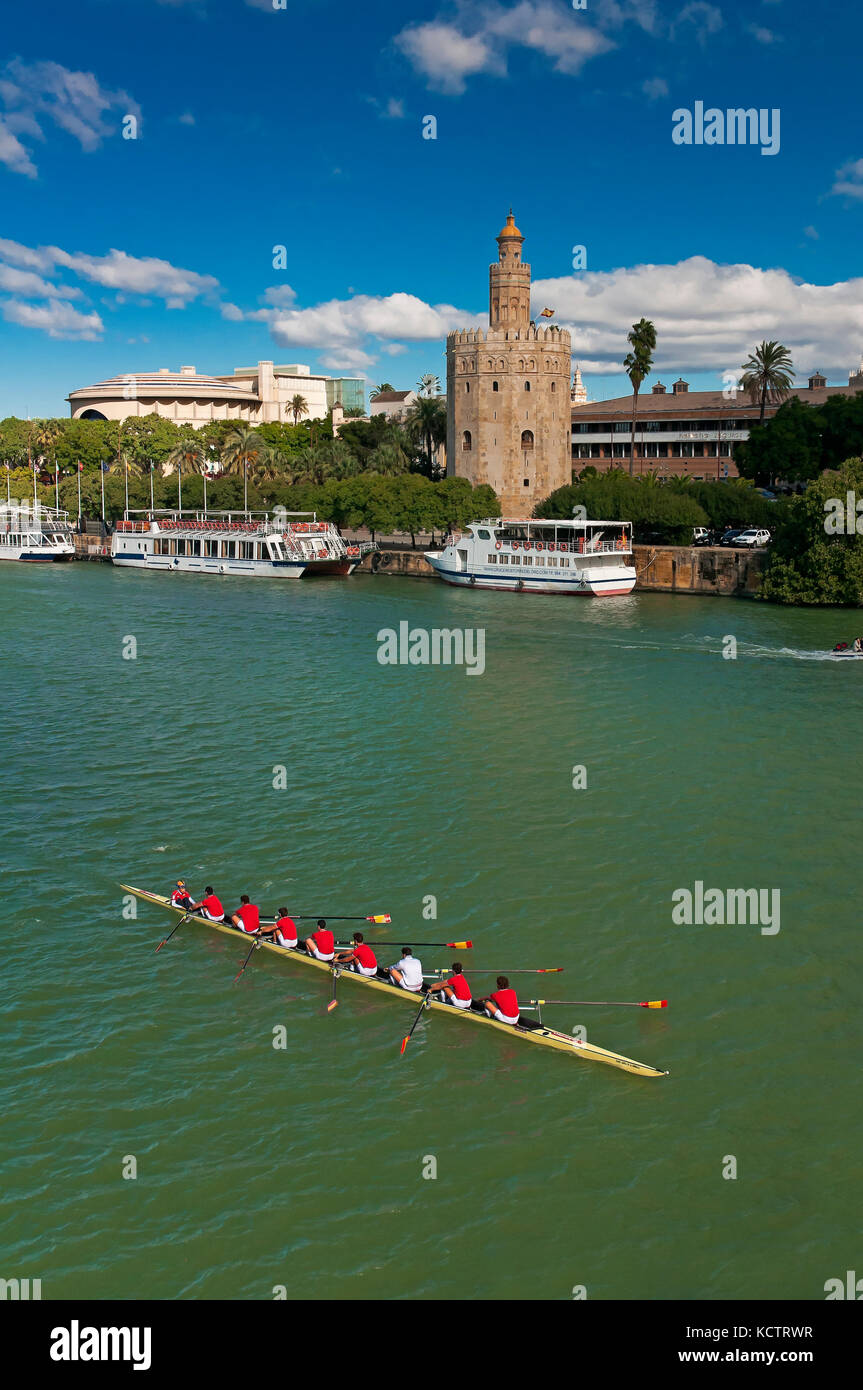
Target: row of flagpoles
104	468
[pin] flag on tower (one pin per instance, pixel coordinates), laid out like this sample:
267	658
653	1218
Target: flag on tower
547	314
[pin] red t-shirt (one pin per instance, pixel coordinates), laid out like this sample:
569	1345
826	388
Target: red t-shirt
365	955
179	893
325	941
460	986
249	916
288	927
213	906
507	1002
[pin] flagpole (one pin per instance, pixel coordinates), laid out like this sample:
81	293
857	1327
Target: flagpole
126	475
152	503
56	485
8	485
102	477
180	486
79	495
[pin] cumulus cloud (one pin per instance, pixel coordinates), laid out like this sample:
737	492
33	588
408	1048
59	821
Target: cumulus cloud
655	87
699	19
708	316
347	323
139	275
447	51
32	286
55	318
848	182
35	94
762	35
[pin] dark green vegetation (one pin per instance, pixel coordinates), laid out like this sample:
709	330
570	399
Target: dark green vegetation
802	440
663	511
817	556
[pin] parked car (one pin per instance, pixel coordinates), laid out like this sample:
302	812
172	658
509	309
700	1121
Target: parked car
701	536
753	538
729	536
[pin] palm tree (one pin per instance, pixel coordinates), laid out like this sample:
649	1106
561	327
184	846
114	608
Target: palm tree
767	372
242	449
428	385
271	467
298	405
187	453
379	390
388	460
637	365
426	425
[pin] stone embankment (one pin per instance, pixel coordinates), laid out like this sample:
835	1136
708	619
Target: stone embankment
663	569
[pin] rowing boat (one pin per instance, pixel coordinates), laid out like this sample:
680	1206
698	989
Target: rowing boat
542	1035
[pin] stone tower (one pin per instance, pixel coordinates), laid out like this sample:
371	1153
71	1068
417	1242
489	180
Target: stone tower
508	392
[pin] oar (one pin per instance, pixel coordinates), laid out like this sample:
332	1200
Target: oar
255	944
334	1003
407	1039
331	917
620	1003
455	945
475	970
183	919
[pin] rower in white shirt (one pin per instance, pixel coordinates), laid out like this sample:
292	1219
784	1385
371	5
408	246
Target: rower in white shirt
408	973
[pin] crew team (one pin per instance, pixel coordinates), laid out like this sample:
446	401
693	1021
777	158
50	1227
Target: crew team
407	973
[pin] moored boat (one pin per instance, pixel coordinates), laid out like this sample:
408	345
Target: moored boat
527	555
35	534
288	545
540	1034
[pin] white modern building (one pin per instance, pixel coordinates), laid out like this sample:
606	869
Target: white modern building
257	395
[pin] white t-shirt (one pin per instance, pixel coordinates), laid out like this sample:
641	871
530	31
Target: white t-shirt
411	970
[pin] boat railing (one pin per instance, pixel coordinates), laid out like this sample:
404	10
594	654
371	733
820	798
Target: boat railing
574	547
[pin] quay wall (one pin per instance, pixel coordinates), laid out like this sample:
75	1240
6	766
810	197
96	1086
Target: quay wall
663	569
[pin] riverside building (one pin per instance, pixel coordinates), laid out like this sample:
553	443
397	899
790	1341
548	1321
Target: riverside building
681	432
254	395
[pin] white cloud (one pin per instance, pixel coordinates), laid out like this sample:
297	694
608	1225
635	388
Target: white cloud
348	360
232	313
849	180
32	286
655	87
31	257
139	275
445	56
35	93
762	35
186	119
347	323
13	154
395	109
810	232
697	18
708	316
56	319
282	296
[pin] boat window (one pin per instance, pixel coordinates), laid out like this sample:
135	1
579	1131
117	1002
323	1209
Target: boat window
552	559
515	559
540	560
484	535
492	559
503	559
563	562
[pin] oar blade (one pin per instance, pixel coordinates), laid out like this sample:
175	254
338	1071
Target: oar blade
381	917
333	1004
655	1004
405	1042
459	945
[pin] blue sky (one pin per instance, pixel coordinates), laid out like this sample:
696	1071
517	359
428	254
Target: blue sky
302	127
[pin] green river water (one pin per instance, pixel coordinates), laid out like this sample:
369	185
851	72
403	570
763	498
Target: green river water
303	1167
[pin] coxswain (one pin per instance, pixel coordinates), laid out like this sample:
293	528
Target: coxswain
455	990
181	896
210	907
360	956
858	644
503	1004
321	944
408	973
247	917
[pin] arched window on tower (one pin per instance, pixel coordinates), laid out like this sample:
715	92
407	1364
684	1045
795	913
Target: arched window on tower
494	386
467	388
527	386
527	439
466	442
554	386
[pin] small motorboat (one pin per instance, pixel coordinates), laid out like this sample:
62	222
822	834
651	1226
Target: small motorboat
846	649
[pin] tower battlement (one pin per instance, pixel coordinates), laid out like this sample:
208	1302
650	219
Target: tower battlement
462	337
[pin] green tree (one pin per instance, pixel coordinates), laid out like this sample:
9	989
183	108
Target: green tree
298	405
637	365
767	373
426	425
376	391
814	558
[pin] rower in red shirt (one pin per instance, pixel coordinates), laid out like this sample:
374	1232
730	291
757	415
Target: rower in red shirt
503	1004
361	957
181	896
210	907
247	917
321	944
283	930
455	990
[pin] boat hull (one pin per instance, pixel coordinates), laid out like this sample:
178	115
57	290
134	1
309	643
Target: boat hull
183	564
543	1037
584	585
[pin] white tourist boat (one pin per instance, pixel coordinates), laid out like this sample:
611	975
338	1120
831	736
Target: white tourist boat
35	533
286	546
543	557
